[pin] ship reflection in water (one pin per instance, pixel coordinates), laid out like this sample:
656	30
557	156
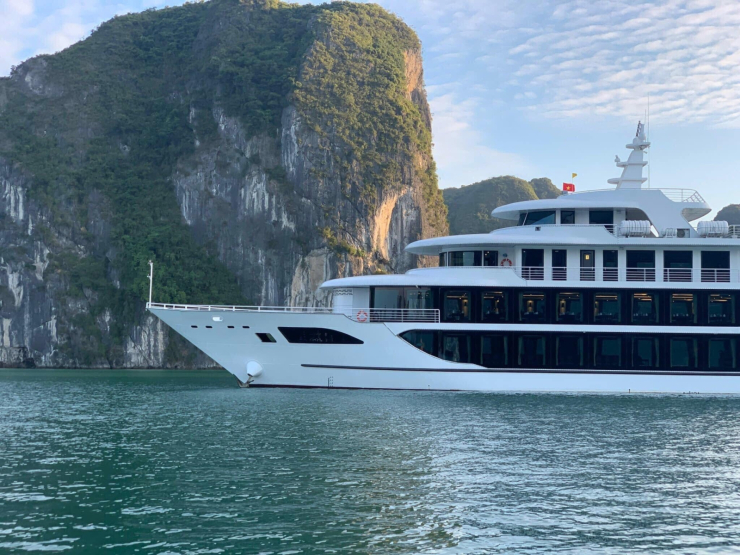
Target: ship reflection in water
183	462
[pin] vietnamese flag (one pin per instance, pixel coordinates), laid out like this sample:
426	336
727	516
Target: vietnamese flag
569	188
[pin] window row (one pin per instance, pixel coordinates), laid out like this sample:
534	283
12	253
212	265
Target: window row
579	351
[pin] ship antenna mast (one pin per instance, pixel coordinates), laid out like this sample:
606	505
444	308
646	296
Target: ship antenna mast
151	281
649	154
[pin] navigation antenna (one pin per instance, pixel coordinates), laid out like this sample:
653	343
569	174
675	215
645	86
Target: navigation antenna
151	281
649	155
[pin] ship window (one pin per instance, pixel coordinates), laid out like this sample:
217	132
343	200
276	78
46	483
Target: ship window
522	218
387	297
569	351
683	308
683	352
465	258
494	351
721	354
456	306
266	338
559	265
569	308
567	217
540	217
677	265
532	308
418	298
715	266
209	327
245	327
193	326
532	351
645	352
442	259
605	217
318	335
645	309
533	261
490	258
231	327
454	347
494	306
422	340
607	352
607	308
611	265
640	265
721	309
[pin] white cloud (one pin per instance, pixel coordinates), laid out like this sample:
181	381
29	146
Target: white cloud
459	150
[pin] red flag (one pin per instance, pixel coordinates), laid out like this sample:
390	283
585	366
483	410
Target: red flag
569	188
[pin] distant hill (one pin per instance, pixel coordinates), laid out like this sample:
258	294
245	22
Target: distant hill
729	214
469	207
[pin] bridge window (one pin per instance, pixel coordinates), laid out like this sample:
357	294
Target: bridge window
318	335
683	308
569	308
567	217
721	354
645	308
442	259
683	353
540	217
456	306
645	352
607	308
721	309
494	306
605	217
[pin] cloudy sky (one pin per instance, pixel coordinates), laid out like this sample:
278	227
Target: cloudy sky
533	87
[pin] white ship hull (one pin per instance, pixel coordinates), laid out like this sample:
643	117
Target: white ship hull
386	361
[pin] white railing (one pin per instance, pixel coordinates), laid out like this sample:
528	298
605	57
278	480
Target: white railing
361	315
676	195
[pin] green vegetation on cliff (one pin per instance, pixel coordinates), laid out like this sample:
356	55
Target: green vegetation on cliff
469	207
729	214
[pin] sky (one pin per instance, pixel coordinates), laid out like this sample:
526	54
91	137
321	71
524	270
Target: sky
532	88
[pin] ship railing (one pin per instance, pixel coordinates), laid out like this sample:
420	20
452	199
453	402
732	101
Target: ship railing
674	194
361	315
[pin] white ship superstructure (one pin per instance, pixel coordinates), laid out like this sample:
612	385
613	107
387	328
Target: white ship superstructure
606	290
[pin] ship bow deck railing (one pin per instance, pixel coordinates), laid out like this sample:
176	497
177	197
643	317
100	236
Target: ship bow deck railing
361	315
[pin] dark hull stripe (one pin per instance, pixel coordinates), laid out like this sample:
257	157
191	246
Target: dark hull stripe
528	371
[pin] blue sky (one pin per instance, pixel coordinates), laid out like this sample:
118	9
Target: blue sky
533	88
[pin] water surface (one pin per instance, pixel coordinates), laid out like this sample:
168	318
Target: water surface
185	462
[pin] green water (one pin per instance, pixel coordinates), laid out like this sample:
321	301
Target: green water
185	462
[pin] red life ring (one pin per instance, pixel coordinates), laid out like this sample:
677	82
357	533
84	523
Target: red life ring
362	316
506	262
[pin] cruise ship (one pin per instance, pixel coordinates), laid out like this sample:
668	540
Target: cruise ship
610	290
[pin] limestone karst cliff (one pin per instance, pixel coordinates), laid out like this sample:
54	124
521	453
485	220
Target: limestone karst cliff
252	149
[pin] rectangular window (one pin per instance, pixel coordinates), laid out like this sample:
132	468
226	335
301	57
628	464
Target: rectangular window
677	265
569	351
645	309
318	335
721	353
454	347
567	217
645	352
607	308
418	298
607	352
532	351
494	351
603	217
541	217
683	352
490	258
640	265
456	306
494	306
721	309
683	308
442	259
533	261
522	218
559	265
569	308
387	297
611	265
532	308
715	266
465	258
588	265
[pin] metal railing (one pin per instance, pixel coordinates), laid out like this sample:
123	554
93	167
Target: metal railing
674	194
361	315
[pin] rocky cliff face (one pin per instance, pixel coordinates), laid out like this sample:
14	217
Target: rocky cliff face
252	150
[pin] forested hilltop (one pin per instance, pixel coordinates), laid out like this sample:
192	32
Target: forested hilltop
251	149
470	206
